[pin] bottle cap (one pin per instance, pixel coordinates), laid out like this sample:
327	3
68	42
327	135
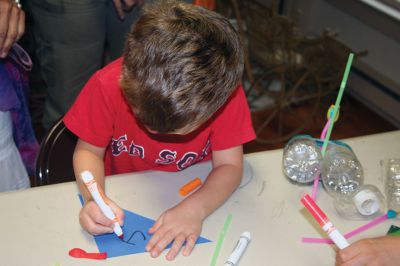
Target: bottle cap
366	202
391	214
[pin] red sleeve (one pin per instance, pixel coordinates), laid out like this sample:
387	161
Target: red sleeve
232	125
91	117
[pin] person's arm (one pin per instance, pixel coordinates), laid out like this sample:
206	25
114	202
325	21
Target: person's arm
12	25
183	222
122	6
88	157
382	251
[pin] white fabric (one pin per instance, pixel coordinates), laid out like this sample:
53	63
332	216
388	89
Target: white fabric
13	174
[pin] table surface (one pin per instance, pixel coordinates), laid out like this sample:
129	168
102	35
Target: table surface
40	225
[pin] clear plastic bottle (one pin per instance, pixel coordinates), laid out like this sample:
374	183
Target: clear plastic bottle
301	159
341	171
392	184
366	202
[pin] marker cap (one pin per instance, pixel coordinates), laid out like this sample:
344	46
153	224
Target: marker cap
366	202
87	176
246	235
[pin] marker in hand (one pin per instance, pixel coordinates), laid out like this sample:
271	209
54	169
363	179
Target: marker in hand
324	222
238	250
94	190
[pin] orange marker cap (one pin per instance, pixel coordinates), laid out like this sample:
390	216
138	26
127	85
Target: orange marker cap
189	187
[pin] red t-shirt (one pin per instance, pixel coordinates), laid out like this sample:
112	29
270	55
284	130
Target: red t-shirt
102	117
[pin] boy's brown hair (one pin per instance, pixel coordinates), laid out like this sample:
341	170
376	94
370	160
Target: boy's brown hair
181	64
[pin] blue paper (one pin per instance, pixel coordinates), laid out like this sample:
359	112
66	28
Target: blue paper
135	236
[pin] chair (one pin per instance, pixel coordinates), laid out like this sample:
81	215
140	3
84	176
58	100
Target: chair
54	161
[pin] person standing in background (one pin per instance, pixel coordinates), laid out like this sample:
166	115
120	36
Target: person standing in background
12	25
18	145
74	39
71	38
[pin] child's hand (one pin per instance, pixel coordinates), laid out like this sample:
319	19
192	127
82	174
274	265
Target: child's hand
178	224
95	222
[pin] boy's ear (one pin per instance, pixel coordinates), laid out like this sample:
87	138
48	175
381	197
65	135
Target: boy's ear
134	109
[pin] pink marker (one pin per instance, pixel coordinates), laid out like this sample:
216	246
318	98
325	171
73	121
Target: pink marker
324	222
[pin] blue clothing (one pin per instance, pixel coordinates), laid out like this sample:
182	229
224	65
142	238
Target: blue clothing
14	90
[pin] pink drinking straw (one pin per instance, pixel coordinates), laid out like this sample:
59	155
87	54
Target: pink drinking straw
376	221
323	134
316	177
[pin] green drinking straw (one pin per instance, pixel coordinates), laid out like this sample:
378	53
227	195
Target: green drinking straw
221	239
337	103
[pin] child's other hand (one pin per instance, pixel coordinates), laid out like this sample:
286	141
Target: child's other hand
95	222
178	224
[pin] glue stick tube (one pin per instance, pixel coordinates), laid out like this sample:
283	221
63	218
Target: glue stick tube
324	222
189	187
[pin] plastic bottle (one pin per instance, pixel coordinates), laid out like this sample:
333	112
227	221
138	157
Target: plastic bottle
366	202
392	184
341	171
302	159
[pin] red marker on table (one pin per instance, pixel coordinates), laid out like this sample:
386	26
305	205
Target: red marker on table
324	222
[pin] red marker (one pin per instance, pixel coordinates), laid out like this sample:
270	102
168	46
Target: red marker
324	222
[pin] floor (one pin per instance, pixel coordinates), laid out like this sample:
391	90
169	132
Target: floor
355	120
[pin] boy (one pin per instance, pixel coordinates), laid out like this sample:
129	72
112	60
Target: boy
173	100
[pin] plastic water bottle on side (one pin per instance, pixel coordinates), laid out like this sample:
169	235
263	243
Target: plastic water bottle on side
302	159
392	184
366	202
341	171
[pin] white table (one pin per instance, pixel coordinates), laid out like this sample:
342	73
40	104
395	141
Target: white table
40	225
